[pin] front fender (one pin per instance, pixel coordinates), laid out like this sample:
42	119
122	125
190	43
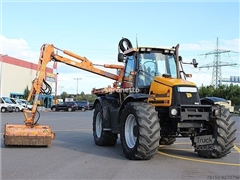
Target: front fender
212	100
132	98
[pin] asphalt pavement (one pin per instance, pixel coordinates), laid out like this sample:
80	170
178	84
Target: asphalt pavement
74	155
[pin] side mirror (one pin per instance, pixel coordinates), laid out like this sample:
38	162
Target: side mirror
194	62
180	58
120	57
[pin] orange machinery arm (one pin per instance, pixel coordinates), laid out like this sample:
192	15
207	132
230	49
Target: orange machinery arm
48	54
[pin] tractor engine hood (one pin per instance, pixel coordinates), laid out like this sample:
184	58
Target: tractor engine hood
162	90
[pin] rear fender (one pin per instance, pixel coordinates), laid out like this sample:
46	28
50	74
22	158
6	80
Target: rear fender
108	103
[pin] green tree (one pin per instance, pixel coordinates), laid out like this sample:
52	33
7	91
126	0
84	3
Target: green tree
64	95
26	93
82	96
206	91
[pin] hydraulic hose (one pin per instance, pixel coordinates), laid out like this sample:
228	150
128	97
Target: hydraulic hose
47	90
125	41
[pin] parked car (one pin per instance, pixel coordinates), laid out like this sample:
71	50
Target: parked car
65	106
6	105
26	104
83	105
18	104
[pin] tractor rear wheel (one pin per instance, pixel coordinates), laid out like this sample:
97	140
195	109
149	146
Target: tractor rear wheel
223	131
167	140
101	137
140	130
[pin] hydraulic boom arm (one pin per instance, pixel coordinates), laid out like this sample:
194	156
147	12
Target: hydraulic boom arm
48	54
33	134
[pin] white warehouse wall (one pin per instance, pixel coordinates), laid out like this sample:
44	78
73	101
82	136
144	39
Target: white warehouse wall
17	74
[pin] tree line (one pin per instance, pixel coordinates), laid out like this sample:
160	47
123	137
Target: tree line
82	96
78	97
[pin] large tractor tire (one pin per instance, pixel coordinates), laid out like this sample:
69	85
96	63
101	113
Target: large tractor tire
140	130
167	140
223	131
101	137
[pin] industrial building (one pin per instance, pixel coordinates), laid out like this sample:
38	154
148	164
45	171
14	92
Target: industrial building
17	74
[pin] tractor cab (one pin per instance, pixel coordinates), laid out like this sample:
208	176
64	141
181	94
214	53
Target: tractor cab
143	64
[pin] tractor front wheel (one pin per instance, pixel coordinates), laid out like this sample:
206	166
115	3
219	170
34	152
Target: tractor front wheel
140	130
223	132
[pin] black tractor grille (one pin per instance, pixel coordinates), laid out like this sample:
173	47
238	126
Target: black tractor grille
185	99
185	95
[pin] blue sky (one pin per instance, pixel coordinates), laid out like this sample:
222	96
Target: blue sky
94	30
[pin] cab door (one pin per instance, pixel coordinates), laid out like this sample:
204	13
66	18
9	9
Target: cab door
129	74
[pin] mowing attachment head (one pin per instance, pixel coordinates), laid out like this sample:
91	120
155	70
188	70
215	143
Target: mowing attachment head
22	135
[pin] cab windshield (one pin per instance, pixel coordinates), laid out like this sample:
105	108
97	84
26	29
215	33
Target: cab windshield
157	64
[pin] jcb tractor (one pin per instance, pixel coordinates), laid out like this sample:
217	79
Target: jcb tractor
150	104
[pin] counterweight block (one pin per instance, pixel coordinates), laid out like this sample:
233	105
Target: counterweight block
22	135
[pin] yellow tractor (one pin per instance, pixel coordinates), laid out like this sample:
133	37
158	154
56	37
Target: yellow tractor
150	104
155	105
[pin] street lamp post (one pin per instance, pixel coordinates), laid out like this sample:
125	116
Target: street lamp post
56	79
77	83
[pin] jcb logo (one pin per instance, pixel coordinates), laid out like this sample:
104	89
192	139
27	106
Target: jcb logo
189	95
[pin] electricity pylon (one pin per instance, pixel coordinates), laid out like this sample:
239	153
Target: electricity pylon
217	64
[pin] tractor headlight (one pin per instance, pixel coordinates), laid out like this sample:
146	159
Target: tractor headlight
174	112
216	112
166	51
